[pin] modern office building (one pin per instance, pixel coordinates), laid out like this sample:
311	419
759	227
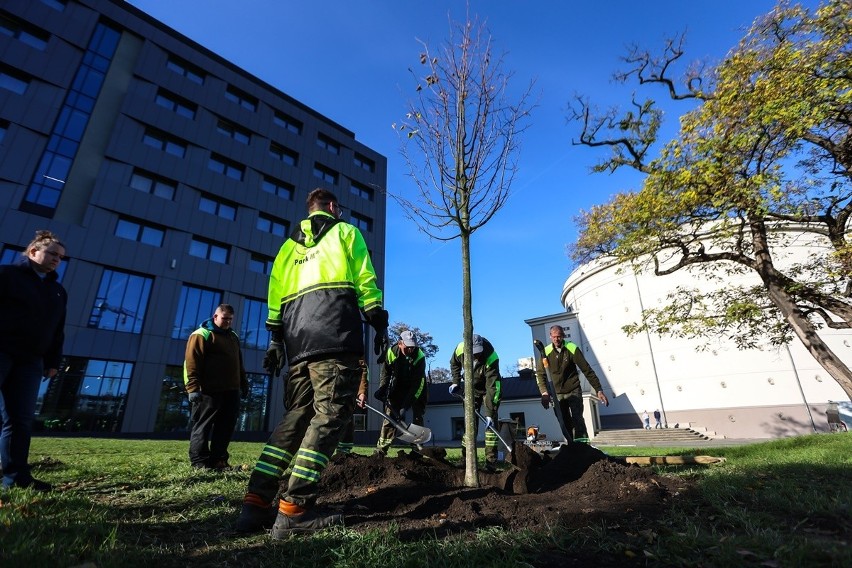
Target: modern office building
172	176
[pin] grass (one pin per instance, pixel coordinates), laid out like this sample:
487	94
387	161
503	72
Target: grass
138	503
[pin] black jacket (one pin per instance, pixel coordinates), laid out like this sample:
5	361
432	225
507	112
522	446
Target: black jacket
32	314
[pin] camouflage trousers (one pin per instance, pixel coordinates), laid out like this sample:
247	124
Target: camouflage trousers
319	400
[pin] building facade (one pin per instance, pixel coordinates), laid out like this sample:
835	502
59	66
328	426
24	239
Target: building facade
736	393
172	176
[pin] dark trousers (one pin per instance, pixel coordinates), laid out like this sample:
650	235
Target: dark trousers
214	417
319	400
572	413
19	383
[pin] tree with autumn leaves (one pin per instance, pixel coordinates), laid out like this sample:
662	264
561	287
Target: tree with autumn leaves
764	156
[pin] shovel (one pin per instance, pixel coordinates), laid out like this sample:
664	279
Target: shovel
554	402
490	426
412	434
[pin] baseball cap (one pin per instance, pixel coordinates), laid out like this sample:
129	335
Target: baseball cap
407	339
478	346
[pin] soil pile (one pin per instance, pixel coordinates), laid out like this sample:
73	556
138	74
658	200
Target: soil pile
423	492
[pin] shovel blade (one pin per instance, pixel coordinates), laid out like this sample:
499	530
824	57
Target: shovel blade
414	434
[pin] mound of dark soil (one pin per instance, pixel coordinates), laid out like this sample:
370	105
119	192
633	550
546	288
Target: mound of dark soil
423	492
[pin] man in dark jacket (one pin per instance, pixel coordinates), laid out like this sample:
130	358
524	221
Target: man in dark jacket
402	383
487	388
32	321
563	359
322	282
215	378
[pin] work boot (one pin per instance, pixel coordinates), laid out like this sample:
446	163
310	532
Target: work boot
254	518
308	521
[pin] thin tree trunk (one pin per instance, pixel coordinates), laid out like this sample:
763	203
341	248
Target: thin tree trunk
471	477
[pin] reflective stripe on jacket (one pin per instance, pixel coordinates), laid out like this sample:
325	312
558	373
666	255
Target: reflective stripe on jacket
321	280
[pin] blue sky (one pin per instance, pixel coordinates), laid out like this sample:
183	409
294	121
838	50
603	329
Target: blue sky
349	60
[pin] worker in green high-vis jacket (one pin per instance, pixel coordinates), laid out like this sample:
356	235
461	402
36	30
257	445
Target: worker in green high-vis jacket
321	288
563	359
487	389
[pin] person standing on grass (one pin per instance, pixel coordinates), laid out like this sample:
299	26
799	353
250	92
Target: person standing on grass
32	322
564	358
322	282
215	379
402	384
487	388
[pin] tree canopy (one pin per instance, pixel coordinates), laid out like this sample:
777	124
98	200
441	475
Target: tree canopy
762	159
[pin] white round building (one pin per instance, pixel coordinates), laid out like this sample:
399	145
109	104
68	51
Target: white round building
734	393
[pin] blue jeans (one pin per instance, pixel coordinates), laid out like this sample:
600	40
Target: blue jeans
19	382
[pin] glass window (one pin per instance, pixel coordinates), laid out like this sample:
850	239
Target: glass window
185	69
87	395
195	306
283	154
253	328
121	302
155	185
208	250
176	104
58	5
231	131
364	163
14	83
361	190
209	204
272	225
222	165
173	409
138	231
243	99
324	141
261	264
360	221
287	122
325	174
254	410
164	142
24	33
276	187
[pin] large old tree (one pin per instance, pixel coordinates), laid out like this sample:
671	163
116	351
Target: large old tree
764	156
460	139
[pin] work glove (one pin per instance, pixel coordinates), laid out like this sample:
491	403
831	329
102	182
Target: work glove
489	422
273	361
382	393
244	390
455	390
194	397
545	400
378	319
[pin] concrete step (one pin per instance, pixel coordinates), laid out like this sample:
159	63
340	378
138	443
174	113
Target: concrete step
639	436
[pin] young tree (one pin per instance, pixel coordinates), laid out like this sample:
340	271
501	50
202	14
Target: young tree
765	154
460	139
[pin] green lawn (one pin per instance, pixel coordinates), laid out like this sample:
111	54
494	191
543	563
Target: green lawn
138	503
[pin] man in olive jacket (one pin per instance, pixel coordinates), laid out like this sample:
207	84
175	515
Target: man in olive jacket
563	359
215	378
